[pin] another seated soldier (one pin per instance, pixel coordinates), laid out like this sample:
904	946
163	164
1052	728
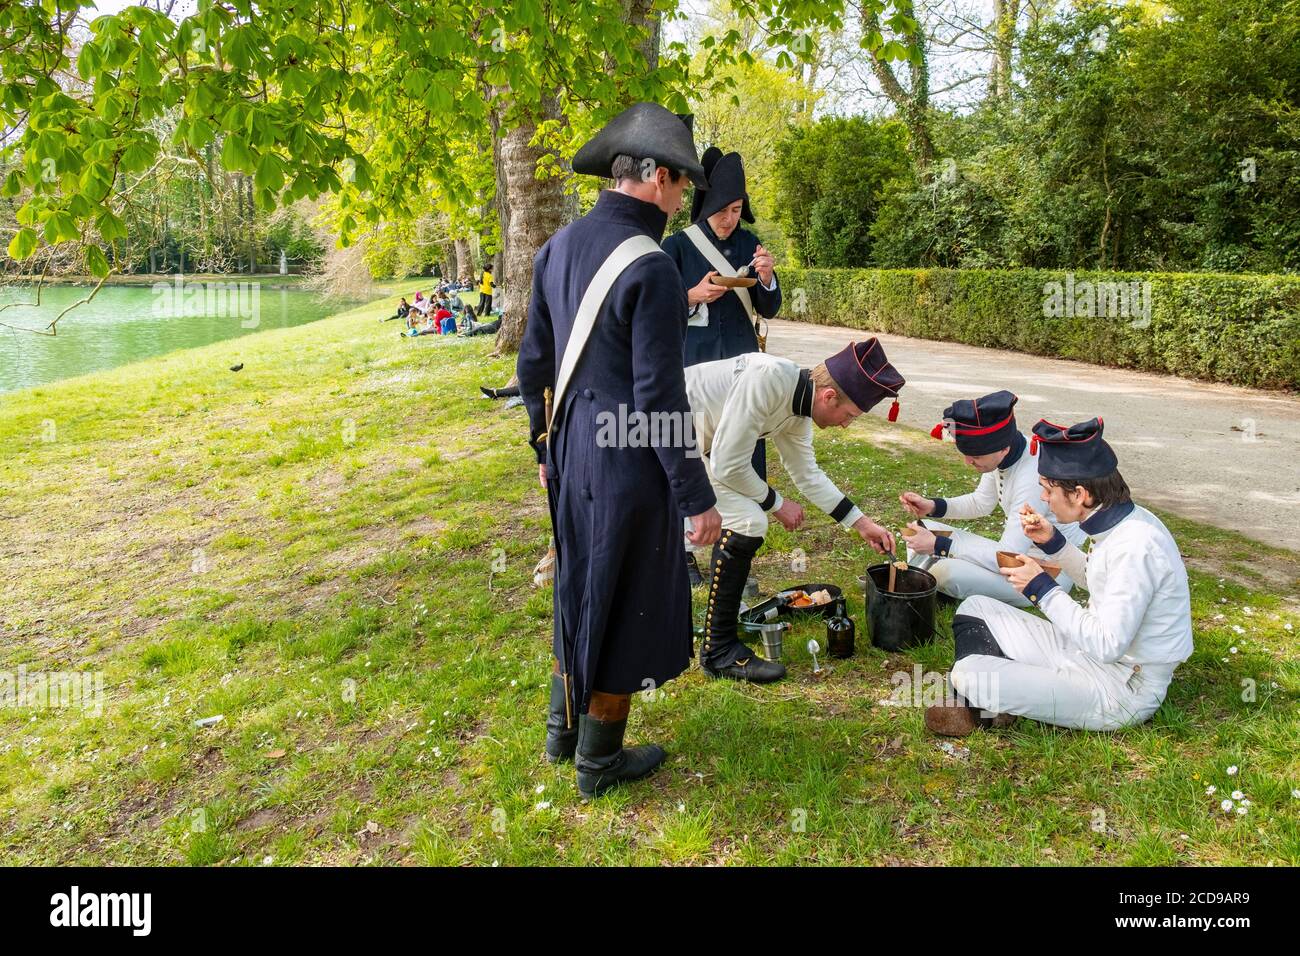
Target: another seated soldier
964	563
735	402
1100	666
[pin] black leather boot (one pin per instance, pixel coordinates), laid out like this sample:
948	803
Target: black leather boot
722	654
560	742
602	760
693	570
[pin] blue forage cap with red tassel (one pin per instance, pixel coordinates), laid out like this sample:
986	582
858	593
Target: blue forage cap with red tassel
864	374
980	426
1072	453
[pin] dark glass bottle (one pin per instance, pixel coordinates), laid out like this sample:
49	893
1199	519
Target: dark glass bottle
839	634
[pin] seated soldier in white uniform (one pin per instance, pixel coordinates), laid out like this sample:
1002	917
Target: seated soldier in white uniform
1102	666
962	562
734	403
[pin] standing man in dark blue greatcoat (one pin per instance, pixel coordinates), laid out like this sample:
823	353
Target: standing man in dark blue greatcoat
604	344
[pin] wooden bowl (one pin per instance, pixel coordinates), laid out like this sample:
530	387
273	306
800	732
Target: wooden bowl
734	282
911	532
1008	559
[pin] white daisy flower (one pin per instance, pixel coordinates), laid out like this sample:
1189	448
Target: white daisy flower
1211	790
1237	794
1232	650
1226	806
1241	811
1295	794
1232	771
539	788
542	805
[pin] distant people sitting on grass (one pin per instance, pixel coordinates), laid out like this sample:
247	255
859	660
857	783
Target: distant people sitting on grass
403	309
480	328
420	308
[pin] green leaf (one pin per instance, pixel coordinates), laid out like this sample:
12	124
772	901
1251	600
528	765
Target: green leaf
13	185
96	262
236	156
61	227
110	226
269	174
23	244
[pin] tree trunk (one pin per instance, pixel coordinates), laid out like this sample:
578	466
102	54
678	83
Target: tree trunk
913	104
531	211
1005	15
462	258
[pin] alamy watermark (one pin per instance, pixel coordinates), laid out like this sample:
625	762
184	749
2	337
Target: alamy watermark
222	300
631	428
53	689
1099	300
921	688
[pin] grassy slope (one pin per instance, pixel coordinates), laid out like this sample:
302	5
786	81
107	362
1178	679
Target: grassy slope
307	547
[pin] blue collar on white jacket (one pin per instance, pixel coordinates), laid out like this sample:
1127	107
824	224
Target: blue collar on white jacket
1099	522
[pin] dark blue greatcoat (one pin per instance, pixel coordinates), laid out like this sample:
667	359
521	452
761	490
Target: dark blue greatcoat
622	603
730	331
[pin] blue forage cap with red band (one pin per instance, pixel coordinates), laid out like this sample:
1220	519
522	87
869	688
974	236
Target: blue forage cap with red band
980	426
1073	453
864	374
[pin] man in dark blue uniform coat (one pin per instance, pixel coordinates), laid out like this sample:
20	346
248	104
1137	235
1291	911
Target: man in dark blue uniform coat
720	325
622	605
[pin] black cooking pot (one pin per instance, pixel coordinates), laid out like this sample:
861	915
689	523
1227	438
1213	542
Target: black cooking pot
904	618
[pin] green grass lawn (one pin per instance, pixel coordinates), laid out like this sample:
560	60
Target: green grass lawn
333	550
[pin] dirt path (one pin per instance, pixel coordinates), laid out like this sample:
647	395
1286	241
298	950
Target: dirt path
1223	455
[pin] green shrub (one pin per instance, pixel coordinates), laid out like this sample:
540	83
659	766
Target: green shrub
1234	329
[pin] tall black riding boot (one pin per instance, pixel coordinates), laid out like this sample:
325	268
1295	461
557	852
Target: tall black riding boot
560	741
722	654
602	760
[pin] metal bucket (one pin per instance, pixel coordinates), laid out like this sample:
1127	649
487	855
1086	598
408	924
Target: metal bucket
904	618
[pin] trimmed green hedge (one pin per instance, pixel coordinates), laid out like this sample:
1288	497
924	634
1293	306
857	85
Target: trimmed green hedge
1235	329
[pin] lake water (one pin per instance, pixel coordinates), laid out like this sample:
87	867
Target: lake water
127	323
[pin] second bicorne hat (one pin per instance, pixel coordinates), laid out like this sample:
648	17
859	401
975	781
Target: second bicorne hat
726	176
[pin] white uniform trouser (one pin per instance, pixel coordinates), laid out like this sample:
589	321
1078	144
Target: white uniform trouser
1047	680
960	578
739	514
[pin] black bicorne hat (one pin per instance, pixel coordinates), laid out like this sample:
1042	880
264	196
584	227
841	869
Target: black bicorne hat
708	161
643	130
726	185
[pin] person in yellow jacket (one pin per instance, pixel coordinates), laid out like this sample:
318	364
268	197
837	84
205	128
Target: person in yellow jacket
485	292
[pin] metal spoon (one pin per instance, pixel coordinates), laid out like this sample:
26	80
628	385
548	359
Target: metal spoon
813	648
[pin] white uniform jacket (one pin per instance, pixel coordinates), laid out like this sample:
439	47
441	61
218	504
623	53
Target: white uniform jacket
735	402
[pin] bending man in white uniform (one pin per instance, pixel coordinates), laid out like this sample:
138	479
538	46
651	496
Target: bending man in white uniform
734	403
1102	666
962	562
